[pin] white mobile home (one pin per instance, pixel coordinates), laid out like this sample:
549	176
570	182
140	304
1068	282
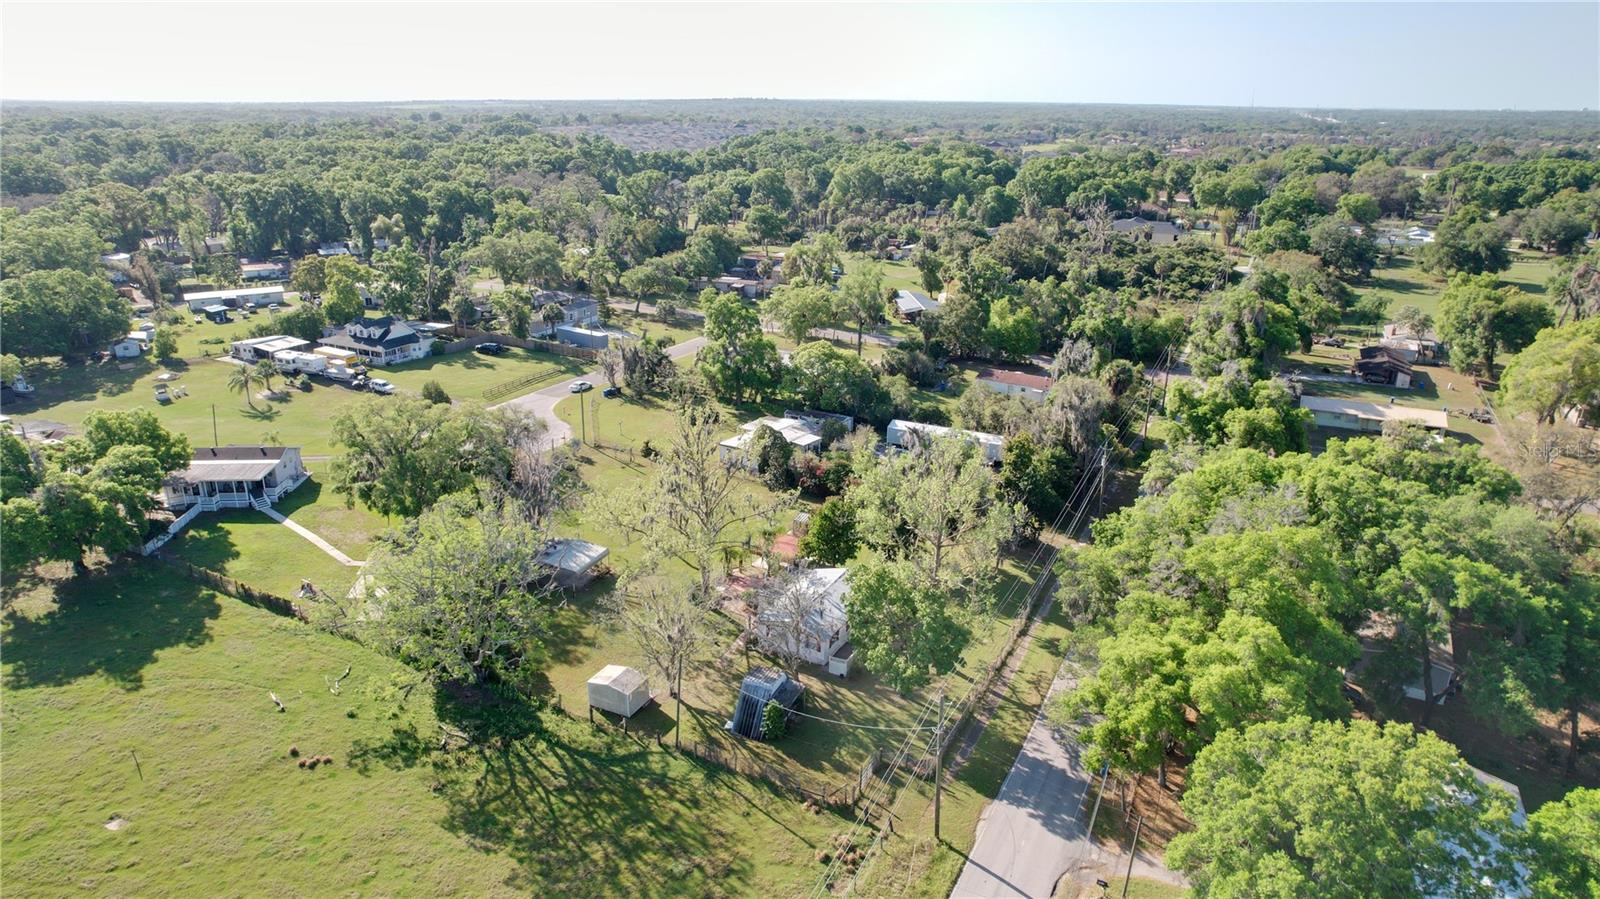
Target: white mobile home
911	434
1352	415
802	434
255	349
300	362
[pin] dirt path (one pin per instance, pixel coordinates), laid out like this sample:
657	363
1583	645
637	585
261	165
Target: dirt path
997	690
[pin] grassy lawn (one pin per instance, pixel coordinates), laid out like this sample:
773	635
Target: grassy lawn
67	394
1138	888
680	328
900	275
465	375
134	695
1529	271
248	546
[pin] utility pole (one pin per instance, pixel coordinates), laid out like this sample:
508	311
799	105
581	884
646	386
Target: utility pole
583	425
938	766
1105	775
677	728
1132	852
214	440
1100	503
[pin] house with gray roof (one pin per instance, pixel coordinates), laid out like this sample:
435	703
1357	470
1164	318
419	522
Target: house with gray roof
380	341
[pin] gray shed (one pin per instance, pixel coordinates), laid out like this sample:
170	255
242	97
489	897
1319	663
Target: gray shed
572	562
619	690
759	687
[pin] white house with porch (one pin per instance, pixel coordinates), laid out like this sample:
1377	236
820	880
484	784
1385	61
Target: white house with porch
380	341
235	477
824	632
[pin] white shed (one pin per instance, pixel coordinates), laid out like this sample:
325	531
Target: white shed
619	690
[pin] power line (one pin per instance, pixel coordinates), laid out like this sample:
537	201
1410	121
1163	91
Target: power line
896	728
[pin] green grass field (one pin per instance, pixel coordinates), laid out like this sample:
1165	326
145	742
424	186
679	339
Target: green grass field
134	695
248	546
66	394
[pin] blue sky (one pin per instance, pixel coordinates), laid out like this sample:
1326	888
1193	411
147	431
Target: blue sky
1391	55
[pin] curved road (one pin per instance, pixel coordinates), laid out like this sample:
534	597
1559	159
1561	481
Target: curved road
542	402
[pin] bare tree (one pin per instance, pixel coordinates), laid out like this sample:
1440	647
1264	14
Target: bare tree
791	611
1553	464
670	626
537	478
695	505
610	360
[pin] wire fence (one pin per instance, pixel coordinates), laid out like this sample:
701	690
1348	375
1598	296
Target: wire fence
505	388
243	592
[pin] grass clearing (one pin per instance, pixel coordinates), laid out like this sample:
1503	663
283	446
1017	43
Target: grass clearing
248	546
67	393
465	375
130	660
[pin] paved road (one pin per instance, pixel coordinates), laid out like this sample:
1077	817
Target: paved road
1031	833
542	402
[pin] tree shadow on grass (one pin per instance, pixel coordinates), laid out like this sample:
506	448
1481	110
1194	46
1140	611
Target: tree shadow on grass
65	382
207	543
591	814
300	498
270	413
111	622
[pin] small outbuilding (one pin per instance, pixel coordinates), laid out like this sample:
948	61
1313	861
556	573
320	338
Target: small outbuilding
619	690
760	687
573	563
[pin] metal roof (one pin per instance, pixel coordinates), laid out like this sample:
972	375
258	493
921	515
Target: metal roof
576	556
1433	418
619	677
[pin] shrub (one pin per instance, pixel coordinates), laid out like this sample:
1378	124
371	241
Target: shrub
433	392
774	721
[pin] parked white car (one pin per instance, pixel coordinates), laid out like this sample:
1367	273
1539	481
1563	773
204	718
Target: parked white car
379	385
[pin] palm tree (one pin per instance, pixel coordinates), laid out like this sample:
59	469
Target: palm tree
265	371
243	380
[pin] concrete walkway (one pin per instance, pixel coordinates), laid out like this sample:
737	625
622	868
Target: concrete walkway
317	541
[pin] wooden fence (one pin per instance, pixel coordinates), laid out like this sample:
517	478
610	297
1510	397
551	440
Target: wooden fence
506	388
924	766
471	337
261	599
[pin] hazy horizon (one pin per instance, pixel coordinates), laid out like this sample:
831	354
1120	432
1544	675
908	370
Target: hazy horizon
1531	57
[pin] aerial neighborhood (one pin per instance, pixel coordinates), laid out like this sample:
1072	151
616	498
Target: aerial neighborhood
800	497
